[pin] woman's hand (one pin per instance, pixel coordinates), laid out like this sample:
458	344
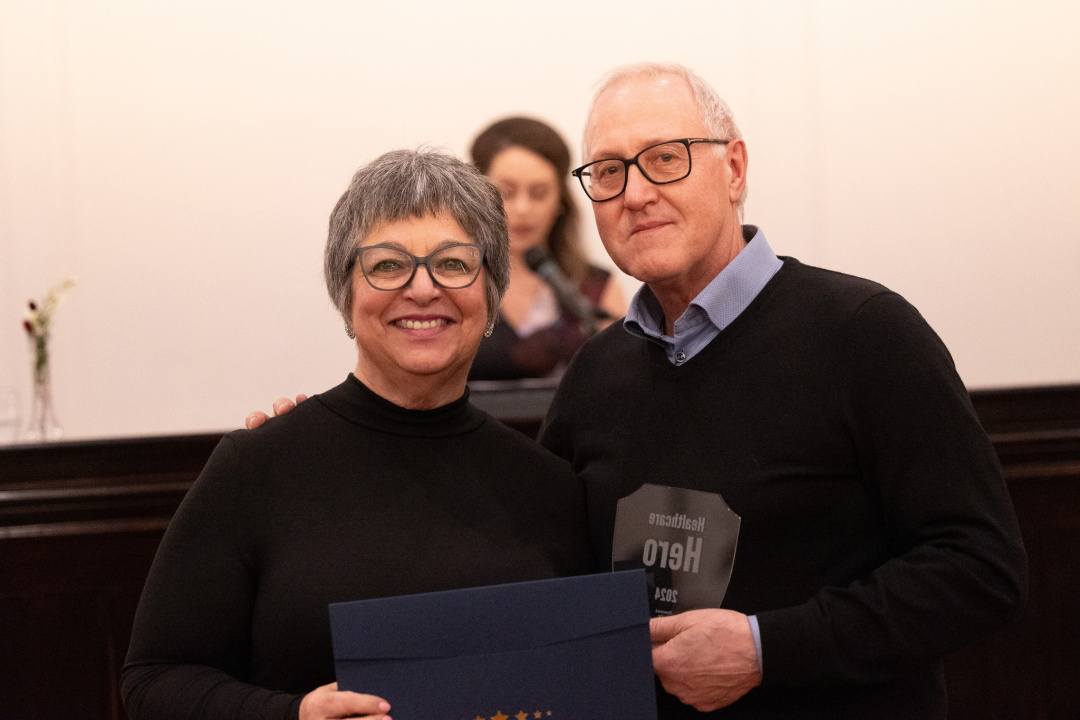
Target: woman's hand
328	703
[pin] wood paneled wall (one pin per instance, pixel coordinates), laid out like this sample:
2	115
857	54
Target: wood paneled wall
80	521
79	525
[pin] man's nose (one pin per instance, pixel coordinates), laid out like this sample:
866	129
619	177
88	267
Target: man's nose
639	191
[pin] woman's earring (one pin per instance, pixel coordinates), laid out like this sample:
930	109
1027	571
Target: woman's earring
349	331
490	329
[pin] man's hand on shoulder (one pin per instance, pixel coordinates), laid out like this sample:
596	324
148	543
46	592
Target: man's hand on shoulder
706	658
281	406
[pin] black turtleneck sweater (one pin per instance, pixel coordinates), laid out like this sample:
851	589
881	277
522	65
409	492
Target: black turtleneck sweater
348	497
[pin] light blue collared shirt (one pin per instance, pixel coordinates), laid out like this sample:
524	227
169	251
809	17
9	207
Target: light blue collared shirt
714	308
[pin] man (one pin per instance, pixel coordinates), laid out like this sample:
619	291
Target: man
876	532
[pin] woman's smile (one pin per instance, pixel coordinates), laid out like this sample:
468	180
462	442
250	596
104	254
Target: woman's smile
419	324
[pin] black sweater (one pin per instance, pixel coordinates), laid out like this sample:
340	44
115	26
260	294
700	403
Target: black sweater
348	497
877	533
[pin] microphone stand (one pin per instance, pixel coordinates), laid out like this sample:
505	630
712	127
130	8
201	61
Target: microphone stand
567	295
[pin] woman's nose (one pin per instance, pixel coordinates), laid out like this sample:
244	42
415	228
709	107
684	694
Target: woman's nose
518	205
423	287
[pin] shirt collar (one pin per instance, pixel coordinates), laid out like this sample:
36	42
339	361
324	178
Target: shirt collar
719	303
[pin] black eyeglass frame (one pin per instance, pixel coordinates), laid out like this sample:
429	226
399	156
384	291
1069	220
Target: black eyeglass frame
417	262
579	172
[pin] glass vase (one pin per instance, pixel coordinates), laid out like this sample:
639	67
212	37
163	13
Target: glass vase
43	425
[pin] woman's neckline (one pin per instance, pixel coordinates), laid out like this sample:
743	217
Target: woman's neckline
359	404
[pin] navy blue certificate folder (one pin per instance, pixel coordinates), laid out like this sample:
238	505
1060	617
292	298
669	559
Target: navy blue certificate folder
565	649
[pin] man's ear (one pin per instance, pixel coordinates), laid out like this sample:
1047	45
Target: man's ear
736	159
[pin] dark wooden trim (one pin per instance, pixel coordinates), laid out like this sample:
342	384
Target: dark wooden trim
1018	409
113	457
84	528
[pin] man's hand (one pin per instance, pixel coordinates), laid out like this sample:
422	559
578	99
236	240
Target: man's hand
328	703
281	406
706	658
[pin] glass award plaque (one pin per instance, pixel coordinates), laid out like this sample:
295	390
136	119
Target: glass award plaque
684	539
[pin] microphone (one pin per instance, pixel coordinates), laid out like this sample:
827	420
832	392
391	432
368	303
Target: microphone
567	295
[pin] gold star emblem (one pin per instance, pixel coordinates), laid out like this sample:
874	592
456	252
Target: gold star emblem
537	714
522	715
499	716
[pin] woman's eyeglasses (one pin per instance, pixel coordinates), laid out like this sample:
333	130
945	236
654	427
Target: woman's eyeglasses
390	268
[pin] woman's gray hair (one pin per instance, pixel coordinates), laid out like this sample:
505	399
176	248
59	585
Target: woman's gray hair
405	184
715	113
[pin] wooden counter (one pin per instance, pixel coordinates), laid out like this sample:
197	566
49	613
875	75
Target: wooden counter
80	521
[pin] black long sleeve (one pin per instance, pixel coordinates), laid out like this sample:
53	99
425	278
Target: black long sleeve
876	533
348	497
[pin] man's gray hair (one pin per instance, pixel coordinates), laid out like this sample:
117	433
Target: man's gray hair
715	113
405	184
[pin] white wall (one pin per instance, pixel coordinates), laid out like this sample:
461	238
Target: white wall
181	158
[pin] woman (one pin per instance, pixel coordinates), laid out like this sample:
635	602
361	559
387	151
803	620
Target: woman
390	483
530	164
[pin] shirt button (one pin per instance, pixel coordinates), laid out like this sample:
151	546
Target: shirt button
680	357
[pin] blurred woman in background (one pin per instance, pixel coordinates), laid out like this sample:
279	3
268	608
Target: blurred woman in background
535	336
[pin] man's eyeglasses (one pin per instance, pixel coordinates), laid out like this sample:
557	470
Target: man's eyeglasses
660	164
390	268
